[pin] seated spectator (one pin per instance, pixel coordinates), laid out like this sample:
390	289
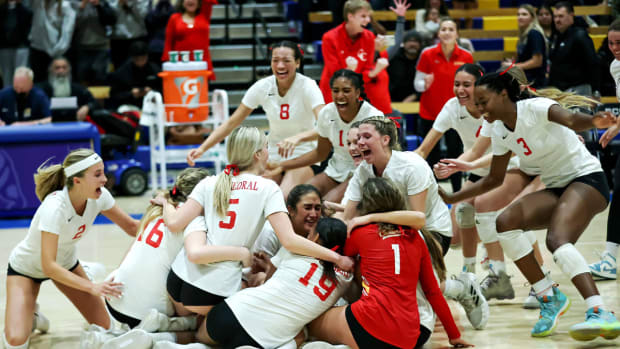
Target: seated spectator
572	56
402	65
135	78
420	17
23	104
129	28
52	29
90	47
59	85
15	20
545	19
156	22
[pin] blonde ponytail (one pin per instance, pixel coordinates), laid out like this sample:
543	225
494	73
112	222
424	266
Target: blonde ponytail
51	178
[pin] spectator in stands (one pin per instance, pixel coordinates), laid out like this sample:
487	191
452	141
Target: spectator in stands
351	46
435	77
129	28
156	22
23	104
466	5
420	17
531	47
572	56
403	56
188	29
52	29
134	79
89	50
59	84
545	19
14	18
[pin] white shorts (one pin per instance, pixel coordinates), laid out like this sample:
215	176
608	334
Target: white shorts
300	150
338	172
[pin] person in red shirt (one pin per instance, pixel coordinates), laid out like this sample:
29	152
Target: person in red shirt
435	77
393	259
351	46
188	30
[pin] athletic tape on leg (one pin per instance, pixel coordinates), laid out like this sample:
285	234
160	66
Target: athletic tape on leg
485	224
570	260
515	244
465	215
531	236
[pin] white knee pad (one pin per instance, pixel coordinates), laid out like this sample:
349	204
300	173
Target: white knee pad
8	346
485	224
570	260
515	244
465	215
531	236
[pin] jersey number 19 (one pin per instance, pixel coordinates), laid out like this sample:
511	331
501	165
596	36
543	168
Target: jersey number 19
327	289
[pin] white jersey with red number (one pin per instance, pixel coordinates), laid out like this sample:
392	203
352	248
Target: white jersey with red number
288	115
614	70
56	215
267	241
544	147
412	175
329	125
297	293
144	270
253	199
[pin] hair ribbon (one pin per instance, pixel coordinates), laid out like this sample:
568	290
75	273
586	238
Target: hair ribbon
507	69
234	168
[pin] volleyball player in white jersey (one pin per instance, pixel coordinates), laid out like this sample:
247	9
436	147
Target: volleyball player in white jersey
72	196
274	313
377	141
236	204
539	132
332	127
607	267
291	101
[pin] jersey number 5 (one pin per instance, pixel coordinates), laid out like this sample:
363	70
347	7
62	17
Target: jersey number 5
284	115
528	151
232	215
327	289
155	236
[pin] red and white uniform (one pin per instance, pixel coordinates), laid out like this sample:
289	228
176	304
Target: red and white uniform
614	70
56	215
288	115
412	175
391	267
253	199
144	270
455	116
340	166
433	61
544	147
297	293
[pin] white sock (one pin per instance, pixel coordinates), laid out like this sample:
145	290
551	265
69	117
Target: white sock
612	248
453	288
543	287
497	266
595	301
163	336
8	346
469	264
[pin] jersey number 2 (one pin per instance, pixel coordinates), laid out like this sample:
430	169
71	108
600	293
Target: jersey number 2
528	151
327	289
232	215
284	115
155	236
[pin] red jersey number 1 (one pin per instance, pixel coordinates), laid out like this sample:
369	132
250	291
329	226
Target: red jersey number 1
232	215
284	115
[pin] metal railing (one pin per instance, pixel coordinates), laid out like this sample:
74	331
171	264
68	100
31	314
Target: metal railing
257	43
238	10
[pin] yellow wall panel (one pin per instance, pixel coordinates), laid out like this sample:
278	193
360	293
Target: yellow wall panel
488	4
499	22
510	43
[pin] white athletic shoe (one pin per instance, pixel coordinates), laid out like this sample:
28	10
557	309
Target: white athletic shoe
134	339
606	268
40	322
323	345
172	345
95	271
155	321
472	300
94	339
531	302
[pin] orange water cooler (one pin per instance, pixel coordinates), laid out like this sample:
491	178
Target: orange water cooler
186	91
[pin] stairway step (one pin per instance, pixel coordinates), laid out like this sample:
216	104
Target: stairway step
272	10
234	53
239	75
244	31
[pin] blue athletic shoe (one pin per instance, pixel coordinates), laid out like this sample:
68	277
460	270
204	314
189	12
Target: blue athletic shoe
551	308
606	268
598	322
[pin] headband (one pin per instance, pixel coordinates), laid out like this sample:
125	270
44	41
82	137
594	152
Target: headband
82	165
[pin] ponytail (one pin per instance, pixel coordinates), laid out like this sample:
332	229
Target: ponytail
51	178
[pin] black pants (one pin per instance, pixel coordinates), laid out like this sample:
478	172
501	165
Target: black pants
455	148
39	63
613	221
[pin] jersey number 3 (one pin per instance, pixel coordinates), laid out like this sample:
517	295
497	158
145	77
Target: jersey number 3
284	115
325	288
527	151
232	215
